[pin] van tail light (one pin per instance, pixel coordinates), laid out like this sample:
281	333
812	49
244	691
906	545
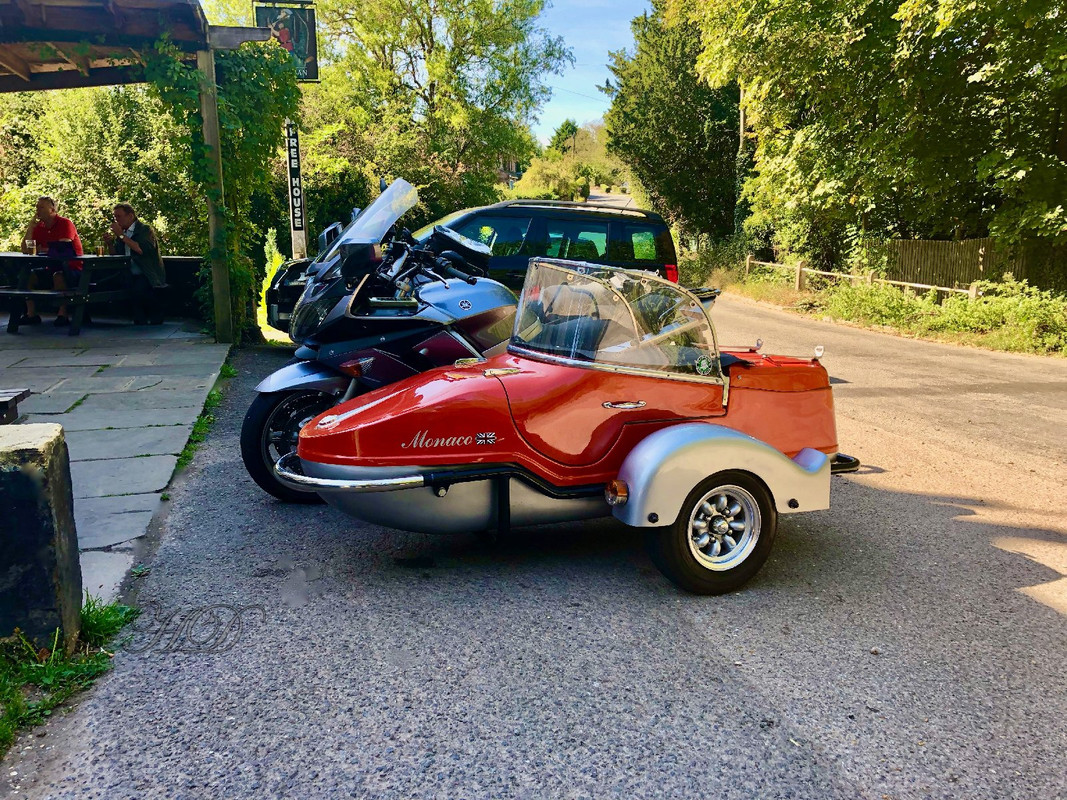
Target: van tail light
672	272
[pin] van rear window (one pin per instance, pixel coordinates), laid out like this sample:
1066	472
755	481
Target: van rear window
641	241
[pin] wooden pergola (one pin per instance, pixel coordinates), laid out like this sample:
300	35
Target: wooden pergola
68	44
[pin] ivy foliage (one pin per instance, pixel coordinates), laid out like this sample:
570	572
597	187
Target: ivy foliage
256	92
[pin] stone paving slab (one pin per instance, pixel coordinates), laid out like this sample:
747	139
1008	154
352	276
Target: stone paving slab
54	403
102	382
165	384
84	359
102	573
120	476
198	354
41	380
128	443
108	521
96	419
197	369
129	401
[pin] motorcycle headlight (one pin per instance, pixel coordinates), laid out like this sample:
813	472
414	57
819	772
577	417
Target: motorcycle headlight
310	310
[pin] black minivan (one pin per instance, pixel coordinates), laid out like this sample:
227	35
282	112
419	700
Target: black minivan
518	230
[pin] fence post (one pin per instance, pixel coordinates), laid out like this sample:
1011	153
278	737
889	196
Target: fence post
972	291
748	264
798	284
870	278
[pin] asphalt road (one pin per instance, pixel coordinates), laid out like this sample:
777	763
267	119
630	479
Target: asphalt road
908	643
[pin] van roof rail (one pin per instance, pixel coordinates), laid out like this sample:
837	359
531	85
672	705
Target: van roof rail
637	212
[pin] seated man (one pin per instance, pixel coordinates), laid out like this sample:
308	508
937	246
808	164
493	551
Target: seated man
133	238
48	228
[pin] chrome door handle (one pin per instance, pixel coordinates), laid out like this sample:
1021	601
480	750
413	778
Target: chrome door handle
625	405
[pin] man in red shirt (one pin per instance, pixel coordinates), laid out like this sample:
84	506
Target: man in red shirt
45	228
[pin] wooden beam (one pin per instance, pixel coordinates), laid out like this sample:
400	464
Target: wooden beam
79	62
226	37
71	79
15	64
220	268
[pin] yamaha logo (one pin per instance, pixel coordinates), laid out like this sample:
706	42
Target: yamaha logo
465	305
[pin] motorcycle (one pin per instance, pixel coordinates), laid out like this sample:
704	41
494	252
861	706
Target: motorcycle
377	307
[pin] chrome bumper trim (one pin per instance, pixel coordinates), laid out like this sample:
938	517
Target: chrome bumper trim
290	473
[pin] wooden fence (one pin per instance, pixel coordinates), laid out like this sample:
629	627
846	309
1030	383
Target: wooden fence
800	271
938	263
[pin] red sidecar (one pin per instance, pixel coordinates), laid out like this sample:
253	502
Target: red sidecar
613	398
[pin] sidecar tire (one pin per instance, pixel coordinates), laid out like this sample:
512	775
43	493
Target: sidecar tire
686	551
254	454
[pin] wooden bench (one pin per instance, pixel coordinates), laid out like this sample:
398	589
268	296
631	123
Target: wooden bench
9	404
100	282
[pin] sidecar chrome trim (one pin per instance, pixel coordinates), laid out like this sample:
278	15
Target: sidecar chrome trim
290	473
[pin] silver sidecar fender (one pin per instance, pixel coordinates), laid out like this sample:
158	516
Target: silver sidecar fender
665	467
289	471
304	375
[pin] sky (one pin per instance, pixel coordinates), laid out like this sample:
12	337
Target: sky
591	28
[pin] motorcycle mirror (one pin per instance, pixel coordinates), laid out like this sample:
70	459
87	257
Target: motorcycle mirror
382	185
355	211
358	259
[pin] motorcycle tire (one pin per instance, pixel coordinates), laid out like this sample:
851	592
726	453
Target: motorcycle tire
271	426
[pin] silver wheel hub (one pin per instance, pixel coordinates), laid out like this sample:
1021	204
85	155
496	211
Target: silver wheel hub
724	527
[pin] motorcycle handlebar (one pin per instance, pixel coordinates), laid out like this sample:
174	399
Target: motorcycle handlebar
457	273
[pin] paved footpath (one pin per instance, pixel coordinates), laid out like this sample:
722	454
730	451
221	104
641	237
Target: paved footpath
127	397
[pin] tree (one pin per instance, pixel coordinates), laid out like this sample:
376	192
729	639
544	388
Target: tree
676	134
438	92
563	138
913	118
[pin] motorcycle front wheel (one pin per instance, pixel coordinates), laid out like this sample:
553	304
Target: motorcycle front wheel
271	429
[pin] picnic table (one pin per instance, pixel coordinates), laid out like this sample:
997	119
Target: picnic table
101	280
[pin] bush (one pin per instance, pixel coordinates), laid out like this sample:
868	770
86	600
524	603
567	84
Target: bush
1010	315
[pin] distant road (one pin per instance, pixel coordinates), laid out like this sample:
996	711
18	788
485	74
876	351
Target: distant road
619	200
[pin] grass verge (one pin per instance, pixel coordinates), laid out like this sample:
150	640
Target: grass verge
1009	315
36	681
200	429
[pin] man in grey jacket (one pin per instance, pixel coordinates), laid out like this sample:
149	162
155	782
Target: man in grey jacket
138	241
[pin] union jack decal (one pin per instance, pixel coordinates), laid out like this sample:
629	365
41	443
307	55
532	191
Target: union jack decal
485	438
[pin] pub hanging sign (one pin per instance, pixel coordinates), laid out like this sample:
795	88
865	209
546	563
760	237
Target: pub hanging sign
293	27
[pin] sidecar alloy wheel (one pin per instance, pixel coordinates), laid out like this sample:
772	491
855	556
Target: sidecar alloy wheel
270	430
722	536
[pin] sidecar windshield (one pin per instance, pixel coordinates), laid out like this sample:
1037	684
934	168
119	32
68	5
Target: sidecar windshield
373	222
624	320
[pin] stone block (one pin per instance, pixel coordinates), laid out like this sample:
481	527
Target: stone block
40	573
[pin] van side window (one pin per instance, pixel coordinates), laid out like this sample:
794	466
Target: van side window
637	243
505	236
584	240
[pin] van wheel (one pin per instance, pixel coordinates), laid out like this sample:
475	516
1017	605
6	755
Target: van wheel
722	536
270	430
